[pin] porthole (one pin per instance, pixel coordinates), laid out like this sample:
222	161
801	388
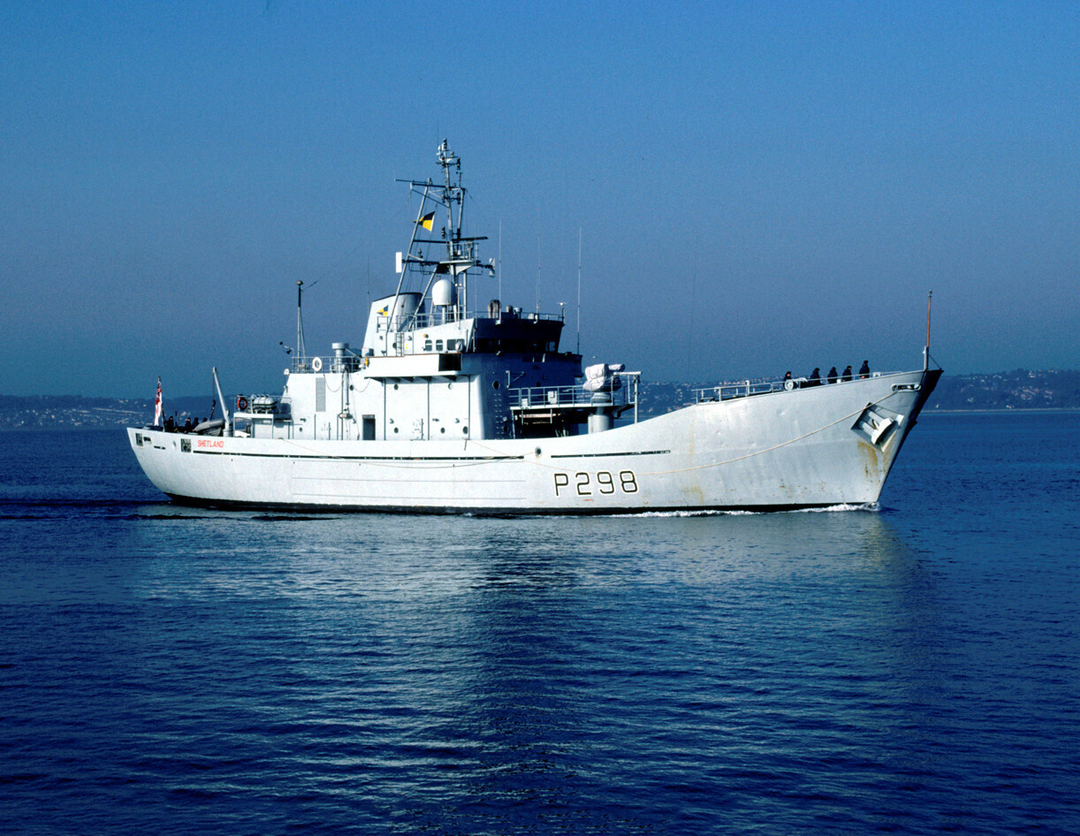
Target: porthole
494	384
395	429
442	429
465	430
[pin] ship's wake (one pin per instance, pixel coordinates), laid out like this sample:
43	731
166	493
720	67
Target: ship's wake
871	507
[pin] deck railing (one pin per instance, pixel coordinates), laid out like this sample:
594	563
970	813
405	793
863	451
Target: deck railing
331	363
535	397
418	321
760	386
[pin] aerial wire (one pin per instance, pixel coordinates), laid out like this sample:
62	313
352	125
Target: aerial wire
578	350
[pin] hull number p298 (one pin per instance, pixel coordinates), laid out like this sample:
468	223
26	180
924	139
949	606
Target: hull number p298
603	482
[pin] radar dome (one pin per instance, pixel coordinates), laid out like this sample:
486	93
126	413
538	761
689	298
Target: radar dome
442	293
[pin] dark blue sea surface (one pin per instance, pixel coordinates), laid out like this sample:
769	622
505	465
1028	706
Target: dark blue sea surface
910	669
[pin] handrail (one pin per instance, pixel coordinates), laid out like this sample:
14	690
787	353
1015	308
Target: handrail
761	386
326	363
534	397
415	321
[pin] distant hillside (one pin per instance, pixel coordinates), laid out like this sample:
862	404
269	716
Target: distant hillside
1018	390
45	411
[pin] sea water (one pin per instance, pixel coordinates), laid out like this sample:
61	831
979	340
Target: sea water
913	668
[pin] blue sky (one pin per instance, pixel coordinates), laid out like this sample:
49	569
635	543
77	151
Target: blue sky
757	186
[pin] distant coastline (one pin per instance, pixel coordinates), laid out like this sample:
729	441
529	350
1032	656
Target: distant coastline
1017	391
79	412
1021	390
1039	410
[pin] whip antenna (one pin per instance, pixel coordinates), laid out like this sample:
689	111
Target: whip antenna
579	290
926	351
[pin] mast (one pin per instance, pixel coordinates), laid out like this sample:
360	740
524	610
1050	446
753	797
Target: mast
460	254
301	353
460	250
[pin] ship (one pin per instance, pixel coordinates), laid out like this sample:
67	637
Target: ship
452	408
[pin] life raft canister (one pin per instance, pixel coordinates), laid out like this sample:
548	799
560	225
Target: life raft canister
241	404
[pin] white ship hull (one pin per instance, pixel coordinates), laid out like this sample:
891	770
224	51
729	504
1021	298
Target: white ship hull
812	447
